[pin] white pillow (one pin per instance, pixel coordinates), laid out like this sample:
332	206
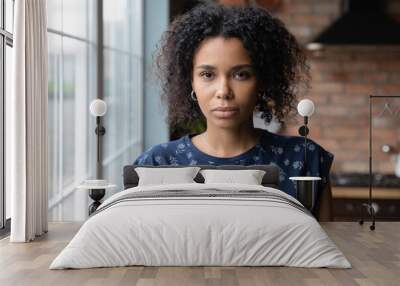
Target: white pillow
163	176
249	177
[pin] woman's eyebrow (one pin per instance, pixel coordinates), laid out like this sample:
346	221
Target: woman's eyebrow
242	66
207	67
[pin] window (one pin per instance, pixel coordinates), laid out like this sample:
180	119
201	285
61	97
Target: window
122	85
6	43
73	70
71	85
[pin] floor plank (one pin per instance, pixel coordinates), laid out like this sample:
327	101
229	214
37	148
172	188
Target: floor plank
375	257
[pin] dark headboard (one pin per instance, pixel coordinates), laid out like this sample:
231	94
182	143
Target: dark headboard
270	179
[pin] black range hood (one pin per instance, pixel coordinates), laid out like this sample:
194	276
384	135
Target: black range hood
364	22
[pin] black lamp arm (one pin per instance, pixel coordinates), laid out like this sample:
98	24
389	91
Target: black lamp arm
303	131
100	131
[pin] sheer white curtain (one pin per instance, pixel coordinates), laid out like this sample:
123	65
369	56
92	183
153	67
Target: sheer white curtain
26	123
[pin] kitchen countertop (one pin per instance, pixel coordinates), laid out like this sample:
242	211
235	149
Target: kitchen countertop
362	180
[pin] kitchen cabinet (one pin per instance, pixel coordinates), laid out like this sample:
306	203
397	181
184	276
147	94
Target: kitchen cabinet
347	202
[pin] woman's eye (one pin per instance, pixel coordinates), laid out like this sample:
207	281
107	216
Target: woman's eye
206	75
241	75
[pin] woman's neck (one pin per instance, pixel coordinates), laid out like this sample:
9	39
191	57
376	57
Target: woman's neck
222	142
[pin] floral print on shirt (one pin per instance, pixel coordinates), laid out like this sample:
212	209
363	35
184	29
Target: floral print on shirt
286	152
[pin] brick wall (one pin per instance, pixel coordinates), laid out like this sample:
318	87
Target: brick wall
342	79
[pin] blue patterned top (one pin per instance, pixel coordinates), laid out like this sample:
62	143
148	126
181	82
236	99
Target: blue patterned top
286	152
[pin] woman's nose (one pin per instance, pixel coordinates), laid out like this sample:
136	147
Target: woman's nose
226	96
223	90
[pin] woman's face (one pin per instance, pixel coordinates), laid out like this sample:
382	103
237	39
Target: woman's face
224	82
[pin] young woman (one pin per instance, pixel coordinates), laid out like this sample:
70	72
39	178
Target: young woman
220	64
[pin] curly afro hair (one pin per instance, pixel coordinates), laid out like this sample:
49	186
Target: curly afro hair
278	60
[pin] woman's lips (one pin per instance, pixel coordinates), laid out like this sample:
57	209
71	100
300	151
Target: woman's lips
224	114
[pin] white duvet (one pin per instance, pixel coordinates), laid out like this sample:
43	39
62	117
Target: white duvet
207	230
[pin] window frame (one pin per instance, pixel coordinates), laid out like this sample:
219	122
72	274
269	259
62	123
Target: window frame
54	203
6	39
97	42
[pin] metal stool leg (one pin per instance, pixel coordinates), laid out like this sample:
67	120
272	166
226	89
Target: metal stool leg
361	221
372	210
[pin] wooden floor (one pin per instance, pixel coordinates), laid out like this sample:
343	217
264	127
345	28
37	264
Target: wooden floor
375	256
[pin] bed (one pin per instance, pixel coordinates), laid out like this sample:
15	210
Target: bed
201	224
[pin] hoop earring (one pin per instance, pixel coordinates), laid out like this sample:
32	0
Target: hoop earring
262	95
193	96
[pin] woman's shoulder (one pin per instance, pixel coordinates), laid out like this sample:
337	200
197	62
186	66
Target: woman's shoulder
289	151
160	154
291	143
